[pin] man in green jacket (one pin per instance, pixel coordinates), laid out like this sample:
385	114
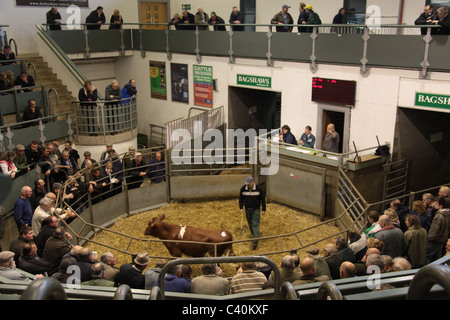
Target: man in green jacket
201	19
313	17
283	17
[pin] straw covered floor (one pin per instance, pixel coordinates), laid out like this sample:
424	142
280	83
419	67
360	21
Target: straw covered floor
222	215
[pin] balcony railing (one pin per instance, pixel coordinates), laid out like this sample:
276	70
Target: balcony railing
105	117
390	46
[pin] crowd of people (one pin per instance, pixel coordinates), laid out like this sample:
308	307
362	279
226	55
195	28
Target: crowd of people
307	16
101	178
93	21
399	238
115	99
9	80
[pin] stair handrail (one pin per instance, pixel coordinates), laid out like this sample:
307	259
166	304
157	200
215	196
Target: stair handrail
50	109
15	46
31	64
62	57
426	278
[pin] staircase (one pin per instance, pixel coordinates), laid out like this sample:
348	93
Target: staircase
46	76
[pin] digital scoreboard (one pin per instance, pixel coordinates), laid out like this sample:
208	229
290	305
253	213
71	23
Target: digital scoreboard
333	91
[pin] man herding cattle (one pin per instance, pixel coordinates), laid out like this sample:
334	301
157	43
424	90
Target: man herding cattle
252	198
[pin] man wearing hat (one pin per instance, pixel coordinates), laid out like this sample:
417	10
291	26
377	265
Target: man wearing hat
138	170
8	268
105	153
127	158
87	157
20	160
252	197
283	17
313	18
132	274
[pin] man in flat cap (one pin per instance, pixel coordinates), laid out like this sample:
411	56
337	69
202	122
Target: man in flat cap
252	197
20	160
8	268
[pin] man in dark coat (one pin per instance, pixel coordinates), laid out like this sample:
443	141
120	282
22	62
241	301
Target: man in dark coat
216	21
138	171
96	18
55	248
252	197
30	262
187	21
236	18
54	19
425	18
443	20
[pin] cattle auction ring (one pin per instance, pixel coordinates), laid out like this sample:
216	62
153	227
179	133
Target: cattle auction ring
285	229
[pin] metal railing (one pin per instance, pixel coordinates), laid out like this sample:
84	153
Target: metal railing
322	44
104	117
271	139
195	125
158	292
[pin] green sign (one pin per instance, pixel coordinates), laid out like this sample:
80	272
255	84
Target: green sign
432	100
185	7
255	81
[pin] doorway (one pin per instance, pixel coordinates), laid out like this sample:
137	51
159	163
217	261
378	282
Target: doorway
253	109
153	12
340	117
422	137
248	10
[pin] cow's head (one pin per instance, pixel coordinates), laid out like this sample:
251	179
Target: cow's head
153	224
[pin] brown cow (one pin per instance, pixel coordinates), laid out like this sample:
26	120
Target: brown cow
167	231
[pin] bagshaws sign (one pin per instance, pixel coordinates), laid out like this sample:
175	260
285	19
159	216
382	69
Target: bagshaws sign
432	100
255	81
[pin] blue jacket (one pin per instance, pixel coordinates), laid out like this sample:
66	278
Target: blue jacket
128	91
174	284
23	215
157	171
289	138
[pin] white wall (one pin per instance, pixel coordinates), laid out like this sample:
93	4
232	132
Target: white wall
374	114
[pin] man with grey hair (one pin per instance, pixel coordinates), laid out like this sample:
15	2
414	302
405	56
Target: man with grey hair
392	237
109	260
201	19
287	272
8	268
333	260
401	264
443	20
112	92
375	263
98	274
428	201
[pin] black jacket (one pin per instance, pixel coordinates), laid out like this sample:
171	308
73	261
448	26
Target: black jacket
252	199
444	22
422	20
